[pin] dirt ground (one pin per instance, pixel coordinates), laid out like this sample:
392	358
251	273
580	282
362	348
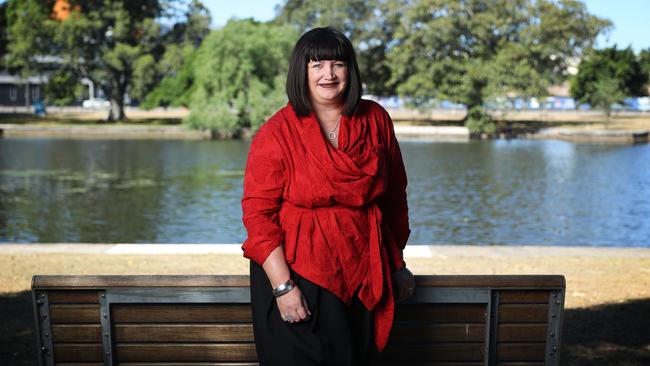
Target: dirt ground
607	303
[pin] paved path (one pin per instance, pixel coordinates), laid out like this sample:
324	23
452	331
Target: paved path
412	251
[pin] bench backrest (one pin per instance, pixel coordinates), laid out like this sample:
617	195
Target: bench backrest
190	320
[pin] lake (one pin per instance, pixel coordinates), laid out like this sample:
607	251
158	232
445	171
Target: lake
511	192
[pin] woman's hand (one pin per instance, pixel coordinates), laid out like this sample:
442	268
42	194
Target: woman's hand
403	284
294	304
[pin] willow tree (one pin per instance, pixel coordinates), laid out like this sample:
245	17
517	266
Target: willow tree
239	76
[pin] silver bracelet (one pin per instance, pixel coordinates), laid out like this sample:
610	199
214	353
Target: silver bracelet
284	288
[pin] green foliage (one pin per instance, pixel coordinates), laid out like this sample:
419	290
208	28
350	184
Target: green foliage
479	121
62	88
644	62
469	51
174	80
177	86
144	76
607	91
27	34
3	33
239	76
606	76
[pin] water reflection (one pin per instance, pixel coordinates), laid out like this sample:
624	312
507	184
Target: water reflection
480	192
529	192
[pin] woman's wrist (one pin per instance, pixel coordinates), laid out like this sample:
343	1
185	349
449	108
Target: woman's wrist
284	288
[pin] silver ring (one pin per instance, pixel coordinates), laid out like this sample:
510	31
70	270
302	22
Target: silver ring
287	317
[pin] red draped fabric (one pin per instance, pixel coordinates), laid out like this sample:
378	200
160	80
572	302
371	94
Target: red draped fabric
339	213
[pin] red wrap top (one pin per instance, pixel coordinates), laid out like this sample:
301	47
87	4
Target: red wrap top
339	213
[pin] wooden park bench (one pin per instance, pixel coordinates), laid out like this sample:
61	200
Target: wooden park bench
206	320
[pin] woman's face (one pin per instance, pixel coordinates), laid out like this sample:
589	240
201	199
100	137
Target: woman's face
327	80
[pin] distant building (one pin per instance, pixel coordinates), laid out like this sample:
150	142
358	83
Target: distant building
17	92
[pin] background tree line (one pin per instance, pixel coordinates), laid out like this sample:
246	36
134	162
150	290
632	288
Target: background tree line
120	46
163	54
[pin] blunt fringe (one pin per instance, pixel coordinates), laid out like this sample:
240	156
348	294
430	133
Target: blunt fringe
322	44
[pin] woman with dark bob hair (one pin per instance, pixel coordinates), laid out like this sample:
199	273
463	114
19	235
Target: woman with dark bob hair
325	209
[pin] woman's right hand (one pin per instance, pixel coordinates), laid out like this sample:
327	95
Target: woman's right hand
295	304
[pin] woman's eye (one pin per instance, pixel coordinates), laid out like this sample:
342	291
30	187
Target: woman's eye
316	66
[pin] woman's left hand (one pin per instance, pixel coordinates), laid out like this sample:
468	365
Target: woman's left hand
403	284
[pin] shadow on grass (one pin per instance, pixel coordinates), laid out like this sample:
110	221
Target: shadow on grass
610	334
17	331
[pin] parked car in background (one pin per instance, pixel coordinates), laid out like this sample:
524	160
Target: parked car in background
95	103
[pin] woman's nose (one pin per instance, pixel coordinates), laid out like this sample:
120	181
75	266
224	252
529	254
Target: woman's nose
329	70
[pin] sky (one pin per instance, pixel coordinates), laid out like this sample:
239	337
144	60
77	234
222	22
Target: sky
630	17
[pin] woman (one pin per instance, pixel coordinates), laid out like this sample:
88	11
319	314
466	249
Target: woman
325	209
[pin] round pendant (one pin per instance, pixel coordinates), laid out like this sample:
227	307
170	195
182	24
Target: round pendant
331	135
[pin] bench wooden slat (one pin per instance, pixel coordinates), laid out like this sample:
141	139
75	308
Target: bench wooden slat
181	313
126	281
189	364
427	363
73	297
409	332
183	333
83	313
185	352
80	282
77	333
446	313
522	332
434	352
77	352
521	351
80	364
493	281
523	297
523	313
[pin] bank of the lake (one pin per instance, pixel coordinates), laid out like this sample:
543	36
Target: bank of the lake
439	125
607	297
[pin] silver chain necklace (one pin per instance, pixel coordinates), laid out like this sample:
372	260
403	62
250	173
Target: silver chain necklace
331	134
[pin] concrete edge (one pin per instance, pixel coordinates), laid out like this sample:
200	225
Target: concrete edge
440	251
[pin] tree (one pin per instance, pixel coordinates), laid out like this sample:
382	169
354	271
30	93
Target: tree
239	76
606	76
607	91
27	35
62	88
469	51
176	86
3	33
644	61
113	43
174	72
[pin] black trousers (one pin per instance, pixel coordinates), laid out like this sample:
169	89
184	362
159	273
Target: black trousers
335	334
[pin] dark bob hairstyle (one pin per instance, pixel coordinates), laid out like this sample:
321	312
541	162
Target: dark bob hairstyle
322	44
